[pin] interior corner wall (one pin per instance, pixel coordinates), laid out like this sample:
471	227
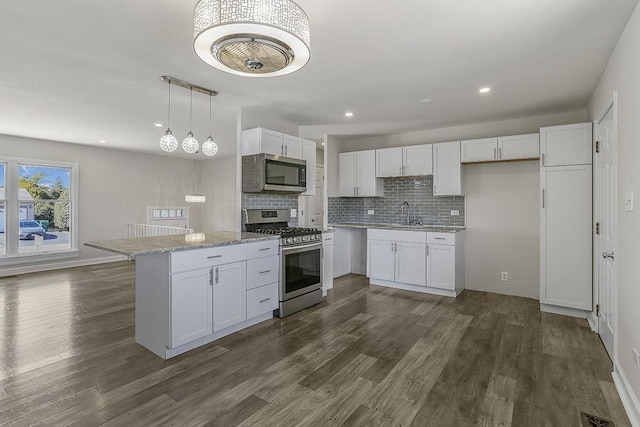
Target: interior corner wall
114	186
622	75
218	184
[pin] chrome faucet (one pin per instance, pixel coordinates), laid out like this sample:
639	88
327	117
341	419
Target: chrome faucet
405	210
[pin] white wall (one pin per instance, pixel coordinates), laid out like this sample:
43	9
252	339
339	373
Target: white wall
622	74
114	187
218	184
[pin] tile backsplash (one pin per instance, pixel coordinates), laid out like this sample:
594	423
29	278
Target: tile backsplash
417	191
271	201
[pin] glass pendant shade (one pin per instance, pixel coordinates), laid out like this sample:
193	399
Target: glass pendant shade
190	144
168	142
209	147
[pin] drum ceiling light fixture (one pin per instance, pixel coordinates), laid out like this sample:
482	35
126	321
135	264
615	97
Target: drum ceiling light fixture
253	38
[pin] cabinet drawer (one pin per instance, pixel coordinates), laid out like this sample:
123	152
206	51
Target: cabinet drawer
261	249
397	235
262	300
207	257
441	238
261	271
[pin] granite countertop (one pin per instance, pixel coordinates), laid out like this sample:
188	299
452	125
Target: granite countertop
432	228
179	242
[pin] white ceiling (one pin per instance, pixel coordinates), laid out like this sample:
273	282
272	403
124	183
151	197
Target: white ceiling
85	70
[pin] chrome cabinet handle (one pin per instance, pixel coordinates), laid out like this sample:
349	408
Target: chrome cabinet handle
265	300
606	255
440	238
214	256
264	272
542	158
329	238
217	275
286	149
391	246
211	277
543	204
499	153
494	154
264	249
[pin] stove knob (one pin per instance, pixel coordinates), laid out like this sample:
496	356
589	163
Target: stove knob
289	240
296	239
305	238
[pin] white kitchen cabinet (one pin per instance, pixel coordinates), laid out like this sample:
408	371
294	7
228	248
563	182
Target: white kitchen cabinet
519	147
479	150
292	147
410	263
381	259
441	267
309	154
357	175
516	147
566	145
229	295
262	300
260	140
327	261
413	160
191	306
447	169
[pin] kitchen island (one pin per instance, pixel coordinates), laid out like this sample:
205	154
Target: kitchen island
195	288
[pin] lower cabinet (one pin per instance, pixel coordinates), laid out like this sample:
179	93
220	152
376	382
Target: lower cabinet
327	261
229	295
191	306
442	266
410	263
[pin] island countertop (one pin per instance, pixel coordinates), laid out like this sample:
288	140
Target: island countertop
179	242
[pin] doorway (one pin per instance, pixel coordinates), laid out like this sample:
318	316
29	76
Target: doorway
605	214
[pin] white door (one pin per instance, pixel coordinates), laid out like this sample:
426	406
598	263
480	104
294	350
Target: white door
347	173
447	172
519	147
381	259
389	162
271	142
418	160
190	306
366	173
229	295
566	145
411	263
479	150
441	267
605	188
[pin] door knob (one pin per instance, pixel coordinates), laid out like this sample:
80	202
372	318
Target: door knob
606	255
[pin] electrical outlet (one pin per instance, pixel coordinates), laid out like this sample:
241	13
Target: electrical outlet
505	276
455	212
370	212
294	213
636	358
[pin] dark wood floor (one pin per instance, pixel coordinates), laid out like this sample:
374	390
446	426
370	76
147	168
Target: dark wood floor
366	356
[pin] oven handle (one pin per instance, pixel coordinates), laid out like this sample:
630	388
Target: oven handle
313	245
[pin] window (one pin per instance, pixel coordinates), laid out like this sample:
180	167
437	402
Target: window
38	204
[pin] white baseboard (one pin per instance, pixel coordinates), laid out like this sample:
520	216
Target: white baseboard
59	265
593	321
415	288
628	397
565	311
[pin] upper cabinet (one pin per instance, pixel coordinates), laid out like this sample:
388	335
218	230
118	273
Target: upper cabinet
566	145
404	161
261	140
357	175
309	154
447	170
517	147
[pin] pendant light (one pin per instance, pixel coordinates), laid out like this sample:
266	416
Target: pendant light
209	147
168	142
194	197
190	144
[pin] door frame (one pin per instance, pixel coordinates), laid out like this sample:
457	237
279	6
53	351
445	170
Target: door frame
612	105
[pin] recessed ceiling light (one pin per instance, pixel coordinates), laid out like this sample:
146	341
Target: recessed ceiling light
425	101
102	141
158	125
323	143
485	90
348	114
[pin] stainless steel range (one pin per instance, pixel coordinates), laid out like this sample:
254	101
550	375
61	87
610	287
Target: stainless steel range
300	258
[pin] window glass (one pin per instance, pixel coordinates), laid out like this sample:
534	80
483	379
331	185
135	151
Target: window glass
2	208
44	208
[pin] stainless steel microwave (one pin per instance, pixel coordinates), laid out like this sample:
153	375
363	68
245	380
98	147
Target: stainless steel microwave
272	173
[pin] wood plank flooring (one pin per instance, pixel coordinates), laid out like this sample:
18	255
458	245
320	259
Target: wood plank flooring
366	356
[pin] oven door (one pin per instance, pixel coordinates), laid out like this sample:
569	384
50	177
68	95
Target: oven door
301	270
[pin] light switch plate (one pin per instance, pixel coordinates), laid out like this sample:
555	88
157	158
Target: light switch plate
455	212
370	212
628	202
294	213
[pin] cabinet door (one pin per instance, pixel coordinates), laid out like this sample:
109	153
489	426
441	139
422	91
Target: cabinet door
229	295
519	147
447	170
566	145
441	267
381	259
479	150
411	263
565	237
309	154
327	265
418	160
293	147
271	142
347	173
389	162
191	306
367	185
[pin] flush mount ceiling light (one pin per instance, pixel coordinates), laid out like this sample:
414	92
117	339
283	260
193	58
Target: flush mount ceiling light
485	90
348	114
254	38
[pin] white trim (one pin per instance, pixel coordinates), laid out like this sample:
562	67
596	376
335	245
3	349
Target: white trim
565	311
60	265
32	257
415	288
628	397
593	321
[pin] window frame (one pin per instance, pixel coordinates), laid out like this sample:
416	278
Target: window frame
12	254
